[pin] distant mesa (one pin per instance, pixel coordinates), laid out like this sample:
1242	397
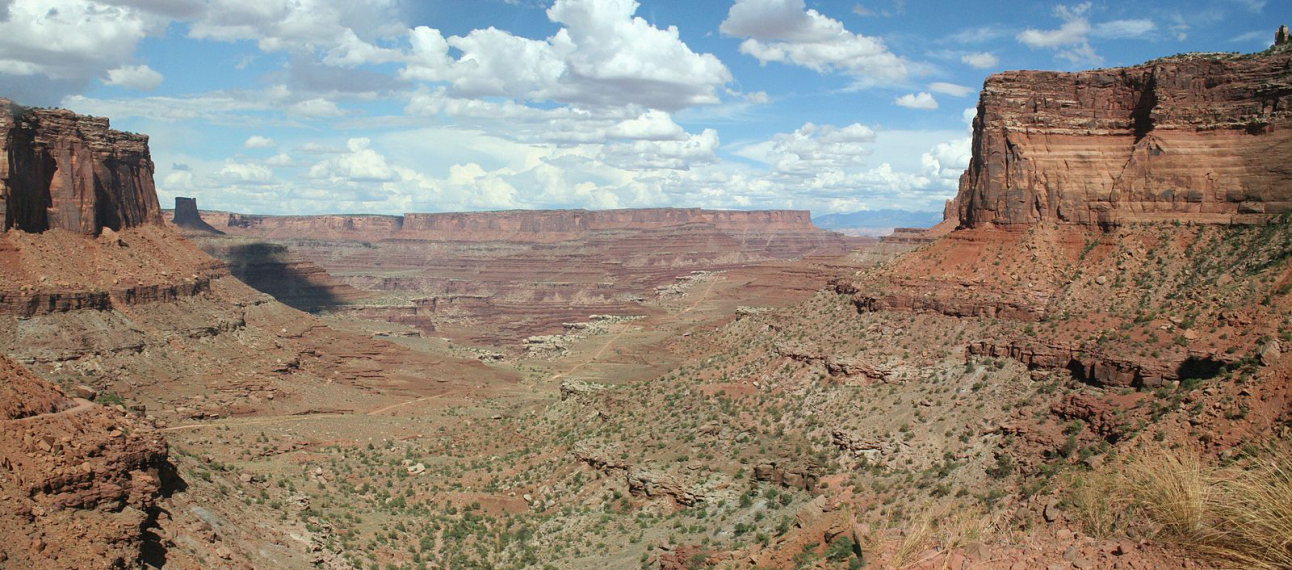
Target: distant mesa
1202	138
187	216
514	225
60	170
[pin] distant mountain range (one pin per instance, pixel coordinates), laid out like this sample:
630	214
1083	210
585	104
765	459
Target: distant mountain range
877	219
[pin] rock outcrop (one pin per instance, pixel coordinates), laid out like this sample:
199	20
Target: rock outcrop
187	216
1196	138
1099	368
60	170
79	481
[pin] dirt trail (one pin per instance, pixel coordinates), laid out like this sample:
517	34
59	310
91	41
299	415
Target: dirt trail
82	405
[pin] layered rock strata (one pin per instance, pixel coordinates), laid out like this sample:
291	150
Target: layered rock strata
1196	138
78	480
60	170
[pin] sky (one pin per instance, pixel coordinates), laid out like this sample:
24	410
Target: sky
393	106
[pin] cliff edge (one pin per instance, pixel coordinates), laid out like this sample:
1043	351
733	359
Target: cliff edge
60	170
1197	137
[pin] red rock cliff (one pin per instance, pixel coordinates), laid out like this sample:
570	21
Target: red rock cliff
1202	137
63	170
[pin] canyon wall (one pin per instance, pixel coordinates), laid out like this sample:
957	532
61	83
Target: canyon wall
1200	137
60	170
515	225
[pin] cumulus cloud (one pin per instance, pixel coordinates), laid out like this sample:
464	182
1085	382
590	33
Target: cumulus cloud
951	89
140	77
652	125
317	107
280	159
813	148
50	48
980	60
246	173
785	31
946	161
331	26
669	154
257	141
602	55
922	100
360	164
1070	40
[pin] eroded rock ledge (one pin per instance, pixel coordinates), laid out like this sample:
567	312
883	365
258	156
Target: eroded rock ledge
1102	369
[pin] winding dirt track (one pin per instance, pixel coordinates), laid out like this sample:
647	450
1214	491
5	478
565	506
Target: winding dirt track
82	405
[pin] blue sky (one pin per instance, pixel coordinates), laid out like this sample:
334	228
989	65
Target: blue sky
386	106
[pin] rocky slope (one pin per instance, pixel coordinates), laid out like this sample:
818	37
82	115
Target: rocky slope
79	481
60	170
1190	138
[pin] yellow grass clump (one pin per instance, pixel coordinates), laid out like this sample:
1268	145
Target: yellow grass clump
1239	514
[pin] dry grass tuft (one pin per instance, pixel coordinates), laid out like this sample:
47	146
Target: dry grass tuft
1241	514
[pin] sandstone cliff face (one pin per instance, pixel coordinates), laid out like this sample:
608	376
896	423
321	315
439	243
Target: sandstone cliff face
516	225
1202	138
68	171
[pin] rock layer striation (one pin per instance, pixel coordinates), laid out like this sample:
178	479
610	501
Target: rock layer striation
1198	137
60	170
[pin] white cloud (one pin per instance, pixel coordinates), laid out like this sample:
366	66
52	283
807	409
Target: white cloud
980	60
946	161
300	25
316	108
674	155
280	159
1070	33
1262	38
257	141
814	148
50	48
140	77
246	172
1124	29
652	125
785	31
1070	40
360	164
921	100
603	55
951	89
